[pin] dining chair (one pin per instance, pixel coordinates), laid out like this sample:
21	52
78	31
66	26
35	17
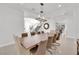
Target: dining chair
38	32
41	48
42	32
24	35
34	49
33	33
55	39
50	46
77	46
20	47
58	37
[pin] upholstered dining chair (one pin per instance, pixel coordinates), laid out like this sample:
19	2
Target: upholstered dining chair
55	39
41	48
33	33
20	48
24	35
58	36
50	46
42	32
77	46
38	32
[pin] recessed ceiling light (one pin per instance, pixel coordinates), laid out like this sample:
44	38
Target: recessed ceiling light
59	5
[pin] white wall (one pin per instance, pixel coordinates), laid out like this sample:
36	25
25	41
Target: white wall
11	22
77	21
73	24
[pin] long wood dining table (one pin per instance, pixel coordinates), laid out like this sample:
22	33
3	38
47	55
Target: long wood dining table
31	41
68	46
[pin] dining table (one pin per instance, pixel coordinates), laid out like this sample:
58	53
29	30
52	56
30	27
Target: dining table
67	46
31	41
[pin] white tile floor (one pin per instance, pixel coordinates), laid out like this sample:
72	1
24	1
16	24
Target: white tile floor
8	50
67	47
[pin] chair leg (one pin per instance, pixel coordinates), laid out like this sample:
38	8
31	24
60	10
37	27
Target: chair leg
54	48
30	53
56	44
49	51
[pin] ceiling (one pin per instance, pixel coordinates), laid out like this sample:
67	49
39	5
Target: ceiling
51	10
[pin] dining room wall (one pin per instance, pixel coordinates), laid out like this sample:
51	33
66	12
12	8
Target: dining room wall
11	23
70	19
77	21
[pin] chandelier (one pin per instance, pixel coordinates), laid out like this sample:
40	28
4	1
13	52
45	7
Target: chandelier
41	16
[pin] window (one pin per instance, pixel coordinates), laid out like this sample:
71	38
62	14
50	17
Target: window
30	24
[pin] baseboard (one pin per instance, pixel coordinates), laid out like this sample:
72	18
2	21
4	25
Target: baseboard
6	44
72	37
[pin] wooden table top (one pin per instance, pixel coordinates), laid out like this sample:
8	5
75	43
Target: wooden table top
33	40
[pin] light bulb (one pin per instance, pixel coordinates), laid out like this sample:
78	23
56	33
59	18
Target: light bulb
59	5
